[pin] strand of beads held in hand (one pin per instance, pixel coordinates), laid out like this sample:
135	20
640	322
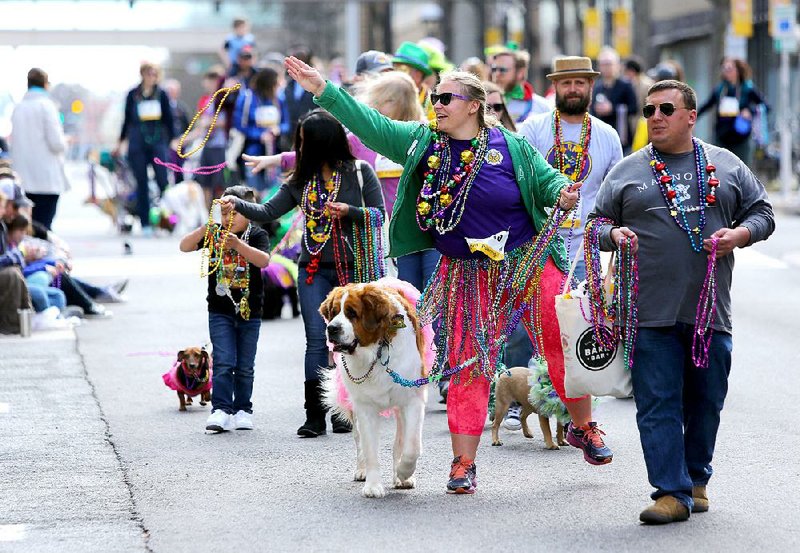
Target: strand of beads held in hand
211	254
706	308
617	320
212	258
614	319
208	169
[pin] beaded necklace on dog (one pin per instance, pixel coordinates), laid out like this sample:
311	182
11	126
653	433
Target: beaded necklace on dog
384	344
705	198
437	208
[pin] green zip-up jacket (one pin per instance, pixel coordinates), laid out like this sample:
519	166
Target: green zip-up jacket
405	142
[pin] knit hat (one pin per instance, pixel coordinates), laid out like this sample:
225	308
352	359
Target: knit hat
413	55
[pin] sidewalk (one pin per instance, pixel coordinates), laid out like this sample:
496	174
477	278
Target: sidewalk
62	487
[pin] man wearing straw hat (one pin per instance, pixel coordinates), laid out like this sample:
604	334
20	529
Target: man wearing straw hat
585	149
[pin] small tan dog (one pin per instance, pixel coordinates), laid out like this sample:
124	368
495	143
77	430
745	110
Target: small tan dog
516	387
190	376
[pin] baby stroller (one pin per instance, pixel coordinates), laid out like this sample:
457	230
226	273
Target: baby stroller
113	188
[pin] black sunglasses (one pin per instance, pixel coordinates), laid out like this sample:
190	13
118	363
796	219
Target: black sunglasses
446	97
497	108
498	69
667	109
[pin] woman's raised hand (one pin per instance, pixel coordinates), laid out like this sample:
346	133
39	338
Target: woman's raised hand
259	163
305	75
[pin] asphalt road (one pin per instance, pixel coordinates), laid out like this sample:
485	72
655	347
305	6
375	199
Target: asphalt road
95	456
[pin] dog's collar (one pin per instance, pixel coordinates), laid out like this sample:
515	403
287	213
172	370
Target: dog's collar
195	380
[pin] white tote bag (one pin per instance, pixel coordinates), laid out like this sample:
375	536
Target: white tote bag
589	367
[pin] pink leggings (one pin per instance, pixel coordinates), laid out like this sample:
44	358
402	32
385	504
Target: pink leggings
467	403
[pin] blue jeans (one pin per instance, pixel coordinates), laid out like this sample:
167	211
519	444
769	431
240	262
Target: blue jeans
311	297
235	341
43	297
678	406
417	268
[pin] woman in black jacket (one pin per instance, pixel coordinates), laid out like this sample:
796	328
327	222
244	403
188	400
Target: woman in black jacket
148	129
341	199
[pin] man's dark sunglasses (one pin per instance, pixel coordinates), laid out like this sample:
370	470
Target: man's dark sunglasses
667	109
499	69
446	97
497	108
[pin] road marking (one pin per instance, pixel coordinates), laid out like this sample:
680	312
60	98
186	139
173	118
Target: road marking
748	257
12	532
4	408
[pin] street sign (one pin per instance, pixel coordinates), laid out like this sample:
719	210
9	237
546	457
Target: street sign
784	18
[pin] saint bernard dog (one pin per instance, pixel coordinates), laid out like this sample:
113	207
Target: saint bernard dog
373	330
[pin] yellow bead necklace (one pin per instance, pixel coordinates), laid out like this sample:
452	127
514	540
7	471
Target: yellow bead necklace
227	90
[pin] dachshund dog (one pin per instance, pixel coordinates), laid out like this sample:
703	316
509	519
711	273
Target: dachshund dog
190	376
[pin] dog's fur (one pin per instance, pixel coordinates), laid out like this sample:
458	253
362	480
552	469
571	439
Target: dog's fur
359	317
516	387
193	362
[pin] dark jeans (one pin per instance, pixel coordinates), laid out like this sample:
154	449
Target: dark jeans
678	406
139	157
311	297
44	210
234	355
417	268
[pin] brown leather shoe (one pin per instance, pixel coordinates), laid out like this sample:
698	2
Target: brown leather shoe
666	509
700	498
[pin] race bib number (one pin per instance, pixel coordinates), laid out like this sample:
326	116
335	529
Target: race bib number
149	110
386	168
728	106
267	117
494	246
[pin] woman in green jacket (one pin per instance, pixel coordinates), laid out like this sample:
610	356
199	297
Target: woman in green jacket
477	193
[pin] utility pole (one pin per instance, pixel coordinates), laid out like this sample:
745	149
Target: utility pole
642	31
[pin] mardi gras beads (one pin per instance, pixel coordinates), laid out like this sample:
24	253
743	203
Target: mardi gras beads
677	211
368	247
706	308
212	236
227	90
582	149
442	199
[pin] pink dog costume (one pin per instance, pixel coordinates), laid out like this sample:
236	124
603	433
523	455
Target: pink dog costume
193	387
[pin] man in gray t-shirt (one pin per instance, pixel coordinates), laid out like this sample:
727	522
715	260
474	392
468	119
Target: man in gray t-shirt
657	200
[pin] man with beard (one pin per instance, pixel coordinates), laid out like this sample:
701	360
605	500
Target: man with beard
574	142
585	149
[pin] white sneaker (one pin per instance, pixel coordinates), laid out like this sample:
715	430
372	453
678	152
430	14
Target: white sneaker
243	420
511	421
219	421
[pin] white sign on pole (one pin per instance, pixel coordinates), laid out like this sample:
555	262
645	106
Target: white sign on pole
784	18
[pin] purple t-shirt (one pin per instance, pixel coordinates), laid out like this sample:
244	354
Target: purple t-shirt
494	202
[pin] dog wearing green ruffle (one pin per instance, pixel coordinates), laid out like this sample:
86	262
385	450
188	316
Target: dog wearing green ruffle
532	389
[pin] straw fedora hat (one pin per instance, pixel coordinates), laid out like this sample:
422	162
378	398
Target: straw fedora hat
572	66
